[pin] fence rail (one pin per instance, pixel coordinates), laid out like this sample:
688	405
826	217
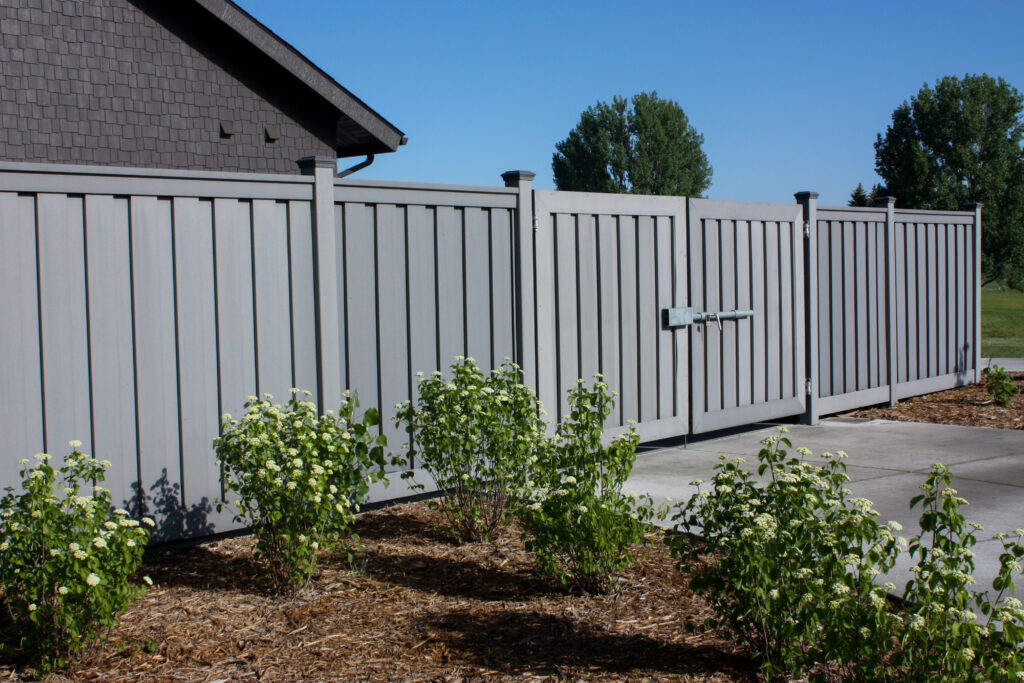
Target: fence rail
139	305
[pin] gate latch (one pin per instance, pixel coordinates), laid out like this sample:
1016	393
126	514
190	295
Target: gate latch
681	317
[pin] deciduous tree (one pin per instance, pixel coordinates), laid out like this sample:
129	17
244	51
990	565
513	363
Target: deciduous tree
645	145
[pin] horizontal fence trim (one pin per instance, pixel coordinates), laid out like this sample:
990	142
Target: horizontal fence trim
597	203
852	400
33	168
928	385
355	183
147	186
743	415
901	213
717	209
863	216
421	197
956	219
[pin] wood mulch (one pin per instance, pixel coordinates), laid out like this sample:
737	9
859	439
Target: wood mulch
411	607
967	405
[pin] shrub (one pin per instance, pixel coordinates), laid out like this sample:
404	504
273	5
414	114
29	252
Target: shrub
66	557
575	518
999	385
788	564
300	478
944	638
473	434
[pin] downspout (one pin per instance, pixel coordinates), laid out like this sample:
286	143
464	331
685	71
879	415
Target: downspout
358	167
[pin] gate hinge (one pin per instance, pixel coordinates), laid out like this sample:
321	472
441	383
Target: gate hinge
536	224
809	387
807	229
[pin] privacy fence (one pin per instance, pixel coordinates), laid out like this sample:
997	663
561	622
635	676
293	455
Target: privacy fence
140	305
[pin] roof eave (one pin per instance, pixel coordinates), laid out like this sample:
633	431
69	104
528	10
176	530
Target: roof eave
290	59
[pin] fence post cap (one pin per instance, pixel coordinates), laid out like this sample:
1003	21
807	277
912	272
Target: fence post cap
805	194
307	164
972	206
885	202
513	178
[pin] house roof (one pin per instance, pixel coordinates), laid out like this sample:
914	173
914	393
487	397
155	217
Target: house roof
360	130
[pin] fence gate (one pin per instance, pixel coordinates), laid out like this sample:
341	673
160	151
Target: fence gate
606	265
745	264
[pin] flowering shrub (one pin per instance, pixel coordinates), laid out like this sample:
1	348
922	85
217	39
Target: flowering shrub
999	385
66	557
473	435
944	636
575	518
788	567
788	564
300	478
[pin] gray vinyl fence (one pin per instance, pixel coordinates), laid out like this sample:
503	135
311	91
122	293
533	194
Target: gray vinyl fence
140	305
898	303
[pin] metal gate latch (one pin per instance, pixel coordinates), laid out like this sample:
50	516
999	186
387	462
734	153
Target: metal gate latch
682	317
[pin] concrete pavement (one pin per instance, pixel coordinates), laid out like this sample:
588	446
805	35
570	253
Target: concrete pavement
887	462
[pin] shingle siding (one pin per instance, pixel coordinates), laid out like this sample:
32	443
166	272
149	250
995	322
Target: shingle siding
145	83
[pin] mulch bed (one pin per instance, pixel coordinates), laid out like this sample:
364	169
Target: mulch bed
968	405
411	607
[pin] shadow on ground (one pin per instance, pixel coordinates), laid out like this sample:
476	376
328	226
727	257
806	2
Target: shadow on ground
458	578
527	642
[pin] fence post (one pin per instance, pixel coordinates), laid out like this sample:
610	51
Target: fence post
809	202
892	358
325	273
525	353
976	208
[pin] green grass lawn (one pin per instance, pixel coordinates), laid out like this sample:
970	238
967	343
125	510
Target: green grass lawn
1002	322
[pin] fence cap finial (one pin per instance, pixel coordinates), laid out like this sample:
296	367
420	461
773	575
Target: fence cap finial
805	194
885	202
307	164
513	178
972	206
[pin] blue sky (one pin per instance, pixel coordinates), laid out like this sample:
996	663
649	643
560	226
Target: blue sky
788	95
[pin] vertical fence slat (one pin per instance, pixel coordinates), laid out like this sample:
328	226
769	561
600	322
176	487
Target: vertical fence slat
941	296
64	323
197	363
759	323
608	276
502	277
361	302
156	368
789	273
273	314
587	294
628	308
450	284
21	420
727	302
302	285
863	297
648	319
423	317
712	301
773	329
665	299
234	305
744	340
565	307
394	334
478	288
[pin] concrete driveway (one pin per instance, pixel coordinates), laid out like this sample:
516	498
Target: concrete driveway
887	462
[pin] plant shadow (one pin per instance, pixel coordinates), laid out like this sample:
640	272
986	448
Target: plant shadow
174	520
200	567
460	578
519	643
395	524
